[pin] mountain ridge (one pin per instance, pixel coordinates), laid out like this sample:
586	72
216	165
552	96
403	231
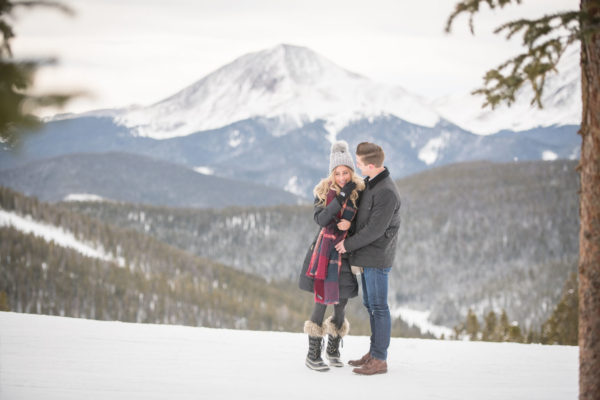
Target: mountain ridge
134	178
248	150
291	83
294	85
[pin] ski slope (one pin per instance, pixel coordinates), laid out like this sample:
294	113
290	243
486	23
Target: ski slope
43	357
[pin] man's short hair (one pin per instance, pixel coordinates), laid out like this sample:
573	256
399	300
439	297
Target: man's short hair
370	153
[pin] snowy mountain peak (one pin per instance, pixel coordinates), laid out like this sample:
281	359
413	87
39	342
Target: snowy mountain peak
300	65
292	84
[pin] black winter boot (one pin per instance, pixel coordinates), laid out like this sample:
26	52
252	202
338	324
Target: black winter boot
315	346
333	344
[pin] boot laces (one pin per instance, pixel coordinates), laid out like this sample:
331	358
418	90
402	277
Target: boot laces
316	347
333	345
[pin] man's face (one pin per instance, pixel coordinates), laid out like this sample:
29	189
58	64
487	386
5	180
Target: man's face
364	169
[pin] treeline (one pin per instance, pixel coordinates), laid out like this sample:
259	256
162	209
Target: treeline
489	237
158	284
268	241
153	283
561	328
475	235
42	278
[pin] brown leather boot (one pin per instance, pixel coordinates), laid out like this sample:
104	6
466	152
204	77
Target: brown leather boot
357	363
374	366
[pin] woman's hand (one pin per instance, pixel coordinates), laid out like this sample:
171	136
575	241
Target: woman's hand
343	225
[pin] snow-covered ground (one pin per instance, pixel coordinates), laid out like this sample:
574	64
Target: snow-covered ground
44	357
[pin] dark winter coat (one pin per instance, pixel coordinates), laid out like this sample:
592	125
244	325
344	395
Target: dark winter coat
375	240
348	283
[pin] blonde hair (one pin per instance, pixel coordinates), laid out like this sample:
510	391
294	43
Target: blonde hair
320	191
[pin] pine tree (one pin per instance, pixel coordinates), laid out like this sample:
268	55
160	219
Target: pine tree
16	77
4	301
503	329
561	327
545	40
472	325
515	334
489	333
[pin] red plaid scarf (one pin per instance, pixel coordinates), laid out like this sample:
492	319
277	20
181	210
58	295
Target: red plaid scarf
326	263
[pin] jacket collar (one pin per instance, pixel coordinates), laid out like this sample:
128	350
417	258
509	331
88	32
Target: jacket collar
381	176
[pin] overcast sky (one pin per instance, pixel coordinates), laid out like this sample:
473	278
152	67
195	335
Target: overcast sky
127	52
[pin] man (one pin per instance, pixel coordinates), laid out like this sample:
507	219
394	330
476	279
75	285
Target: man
372	247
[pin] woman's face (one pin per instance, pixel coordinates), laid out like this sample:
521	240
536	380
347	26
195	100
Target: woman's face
342	175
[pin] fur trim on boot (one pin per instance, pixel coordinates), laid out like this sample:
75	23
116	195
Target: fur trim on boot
313	329
332	330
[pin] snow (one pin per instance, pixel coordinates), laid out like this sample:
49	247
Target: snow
54	234
235	139
204	170
548	155
293	187
420	319
429	153
291	84
83	197
574	154
64	358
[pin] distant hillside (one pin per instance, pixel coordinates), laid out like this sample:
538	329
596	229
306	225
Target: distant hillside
486	235
478	235
136	179
139	280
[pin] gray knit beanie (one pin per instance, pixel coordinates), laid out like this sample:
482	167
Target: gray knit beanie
340	156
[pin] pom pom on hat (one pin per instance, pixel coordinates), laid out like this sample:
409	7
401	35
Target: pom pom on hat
340	155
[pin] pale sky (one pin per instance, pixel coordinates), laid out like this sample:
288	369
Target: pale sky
126	52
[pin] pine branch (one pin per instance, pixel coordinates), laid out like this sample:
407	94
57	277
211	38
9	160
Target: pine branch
545	39
532	66
538	28
472	7
43	3
6	10
7	34
16	78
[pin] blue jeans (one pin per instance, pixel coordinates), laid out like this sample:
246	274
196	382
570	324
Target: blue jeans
375	291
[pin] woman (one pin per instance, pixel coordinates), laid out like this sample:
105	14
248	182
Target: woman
325	272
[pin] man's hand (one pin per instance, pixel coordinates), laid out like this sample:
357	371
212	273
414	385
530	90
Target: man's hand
340	247
343	225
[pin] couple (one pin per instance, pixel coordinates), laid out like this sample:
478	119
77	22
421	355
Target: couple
359	220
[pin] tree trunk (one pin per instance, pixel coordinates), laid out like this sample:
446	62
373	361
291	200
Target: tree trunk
589	233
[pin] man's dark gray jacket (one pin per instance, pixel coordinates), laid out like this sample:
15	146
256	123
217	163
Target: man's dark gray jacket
376	235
